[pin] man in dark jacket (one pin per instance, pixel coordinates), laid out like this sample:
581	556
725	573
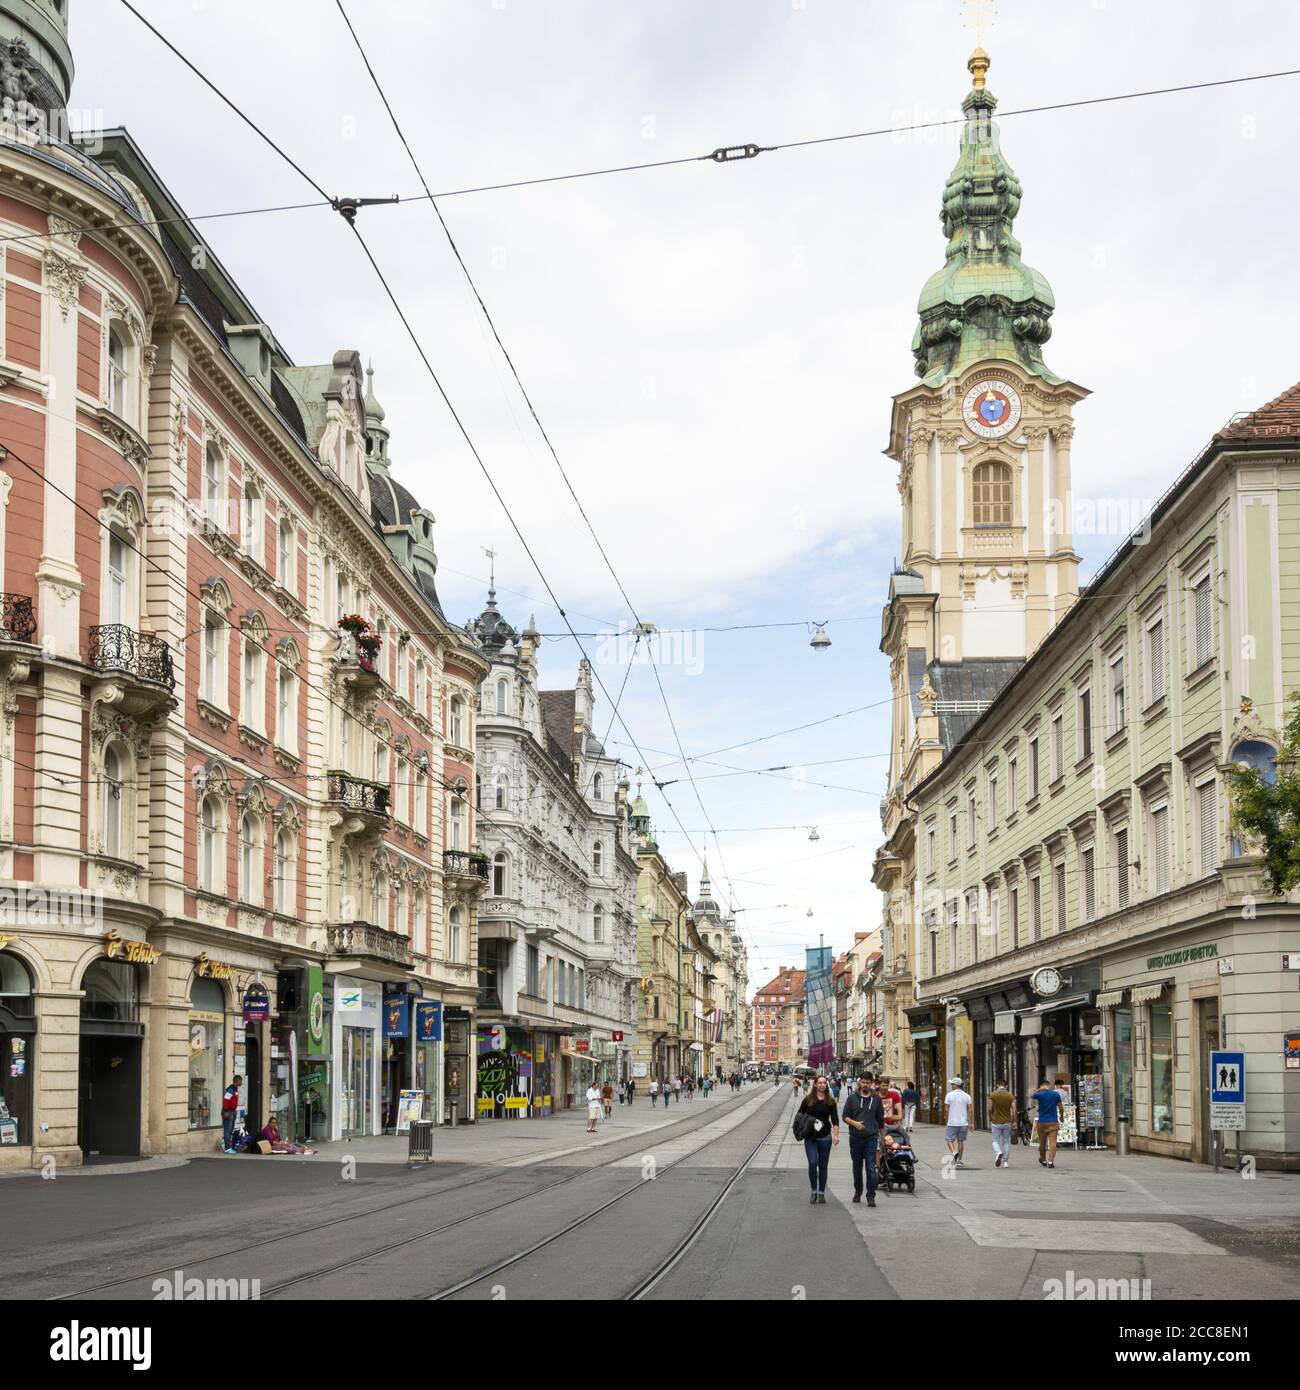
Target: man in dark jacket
864	1114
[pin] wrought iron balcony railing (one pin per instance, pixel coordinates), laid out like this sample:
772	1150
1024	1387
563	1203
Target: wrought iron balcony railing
17	621
116	647
358	794
465	865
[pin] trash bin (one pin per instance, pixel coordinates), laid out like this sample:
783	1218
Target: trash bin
420	1144
1121	1135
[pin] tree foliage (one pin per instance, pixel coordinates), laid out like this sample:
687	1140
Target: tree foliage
1269	814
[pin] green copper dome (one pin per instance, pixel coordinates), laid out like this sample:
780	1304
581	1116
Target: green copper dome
985	302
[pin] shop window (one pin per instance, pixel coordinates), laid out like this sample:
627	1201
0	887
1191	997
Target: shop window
1123	1029
1162	1069
17	1050
207	1054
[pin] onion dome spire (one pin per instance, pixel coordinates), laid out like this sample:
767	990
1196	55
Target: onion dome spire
985	302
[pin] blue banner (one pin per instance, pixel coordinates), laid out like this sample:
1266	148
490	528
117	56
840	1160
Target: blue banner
397	1016
819	1007
428	1021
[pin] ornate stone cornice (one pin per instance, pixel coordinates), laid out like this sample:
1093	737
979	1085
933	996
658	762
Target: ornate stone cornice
65	278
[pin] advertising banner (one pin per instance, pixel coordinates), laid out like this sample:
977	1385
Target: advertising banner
819	1007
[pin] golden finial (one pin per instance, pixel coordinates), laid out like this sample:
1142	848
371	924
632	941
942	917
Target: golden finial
977	65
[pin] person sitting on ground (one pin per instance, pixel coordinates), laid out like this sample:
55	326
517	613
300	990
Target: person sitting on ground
279	1144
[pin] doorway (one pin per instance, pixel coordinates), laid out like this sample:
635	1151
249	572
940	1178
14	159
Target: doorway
108	1113
252	1092
1207	1033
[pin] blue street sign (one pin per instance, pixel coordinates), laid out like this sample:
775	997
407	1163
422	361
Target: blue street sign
1227	1078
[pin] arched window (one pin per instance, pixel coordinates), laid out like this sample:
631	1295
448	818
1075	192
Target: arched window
454	944
253	526
421	800
597	858
117	373
456	729
991	494
286	710
503	696
399	908
478	791
417	913
503	798
458	822
285	886
419	687
252	710
598	787
111	991
213	641
111	803
401	668
347	908
500	878
210	865
381	900
598	923
381	754
250	858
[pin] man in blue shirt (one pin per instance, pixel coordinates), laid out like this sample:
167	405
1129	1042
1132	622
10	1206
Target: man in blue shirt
1049	1122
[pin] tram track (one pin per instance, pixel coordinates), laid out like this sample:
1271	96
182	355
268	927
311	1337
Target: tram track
622	1149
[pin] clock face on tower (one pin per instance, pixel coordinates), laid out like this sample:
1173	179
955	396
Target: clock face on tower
991	408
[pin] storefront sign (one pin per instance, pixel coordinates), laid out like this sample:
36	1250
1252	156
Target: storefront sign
1191	953
207	969
137	952
616	1036
1289	962
257	1004
315	1011
410	1106
582	1045
312	1077
1225	965
397	1016
1291	1050
347	999
428	1021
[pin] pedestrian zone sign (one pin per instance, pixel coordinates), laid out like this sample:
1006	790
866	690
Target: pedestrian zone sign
1227	1078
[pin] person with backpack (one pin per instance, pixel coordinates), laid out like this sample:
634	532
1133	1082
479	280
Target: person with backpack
229	1113
817	1123
654	1093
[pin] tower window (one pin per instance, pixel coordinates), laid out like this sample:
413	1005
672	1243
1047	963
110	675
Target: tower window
991	494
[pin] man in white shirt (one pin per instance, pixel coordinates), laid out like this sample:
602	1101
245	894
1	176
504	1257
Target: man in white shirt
956	1116
593	1107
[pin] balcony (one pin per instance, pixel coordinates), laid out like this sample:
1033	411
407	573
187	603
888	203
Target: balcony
357	657
472	869
138	664
17	621
364	799
371	947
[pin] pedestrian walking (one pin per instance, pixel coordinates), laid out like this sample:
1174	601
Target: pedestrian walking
654	1093
911	1099
1049	1123
594	1107
822	1135
229	1113
892	1099
607	1098
631	1090
677	1089
1001	1107
864	1114
708	1086
956	1117
690	1088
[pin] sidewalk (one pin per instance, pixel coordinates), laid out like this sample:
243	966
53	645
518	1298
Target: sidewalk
518	1143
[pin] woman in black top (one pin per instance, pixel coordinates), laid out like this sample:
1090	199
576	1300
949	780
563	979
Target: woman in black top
824	1133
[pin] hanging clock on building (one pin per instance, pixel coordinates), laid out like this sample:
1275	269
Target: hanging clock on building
1046	982
991	409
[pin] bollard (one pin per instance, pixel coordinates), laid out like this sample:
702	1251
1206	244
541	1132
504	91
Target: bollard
1121	1136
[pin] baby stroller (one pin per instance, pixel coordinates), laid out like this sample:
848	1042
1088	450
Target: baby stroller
897	1163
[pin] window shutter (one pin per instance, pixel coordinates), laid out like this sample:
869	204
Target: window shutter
1156	660
1160	848
1209	809
1121	867
1201	596
1089	885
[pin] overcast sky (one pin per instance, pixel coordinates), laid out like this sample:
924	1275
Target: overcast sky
713	349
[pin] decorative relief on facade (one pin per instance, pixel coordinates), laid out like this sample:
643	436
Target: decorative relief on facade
65	279
64	231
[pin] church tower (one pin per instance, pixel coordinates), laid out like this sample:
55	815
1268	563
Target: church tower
983	447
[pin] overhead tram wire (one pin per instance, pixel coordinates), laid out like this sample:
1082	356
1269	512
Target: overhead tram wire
532	409
434	377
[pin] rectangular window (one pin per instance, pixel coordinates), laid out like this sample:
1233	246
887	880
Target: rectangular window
995	919
1202	623
1087	867
931	854
1156	661
531	986
952	832
973	918
1015	919
1058	746
1058	879
993	800
1033	768
1036	907
1118	704
1207	815
285	711
211	659
1085	723
1160	849
1121	867
970	820
952	935
1012	804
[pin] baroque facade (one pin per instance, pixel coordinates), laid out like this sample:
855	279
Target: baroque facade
239	729
557	956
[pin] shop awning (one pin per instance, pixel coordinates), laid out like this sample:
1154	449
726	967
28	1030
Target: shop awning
696	1047
923	1033
1004	1023
1110	998
1031	1025
1069	1001
1147	994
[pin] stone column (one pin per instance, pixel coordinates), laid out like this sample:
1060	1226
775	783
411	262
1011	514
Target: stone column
1062	434
918	532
